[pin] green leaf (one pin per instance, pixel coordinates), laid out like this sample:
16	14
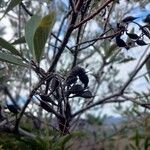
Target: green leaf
148	67
11	5
5	57
8	46
30	29
110	51
21	40
41	34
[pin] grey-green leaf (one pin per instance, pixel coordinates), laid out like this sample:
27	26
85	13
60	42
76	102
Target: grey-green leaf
41	34
5	57
11	5
30	29
9	47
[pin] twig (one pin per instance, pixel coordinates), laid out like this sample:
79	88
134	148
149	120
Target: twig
95	104
114	95
109	13
65	41
94	14
61	42
60	28
28	101
72	4
134	73
26	10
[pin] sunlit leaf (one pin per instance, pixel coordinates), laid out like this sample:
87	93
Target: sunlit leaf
41	34
8	46
5	57
30	29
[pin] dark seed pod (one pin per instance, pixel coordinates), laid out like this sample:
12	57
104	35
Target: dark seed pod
76	89
54	84
80	72
46	98
77	70
121	27
132	36
141	42
84	79
129	19
45	106
120	42
12	108
71	80
147	19
86	94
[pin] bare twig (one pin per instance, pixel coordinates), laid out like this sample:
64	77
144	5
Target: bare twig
94	14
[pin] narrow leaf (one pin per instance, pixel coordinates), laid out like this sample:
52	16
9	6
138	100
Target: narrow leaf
5	57
41	34
111	50
8	46
11	5
30	29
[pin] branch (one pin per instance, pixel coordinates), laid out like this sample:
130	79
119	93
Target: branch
95	104
98	38
134	73
26	10
108	16
64	42
72	4
28	101
60	28
94	14
118	93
